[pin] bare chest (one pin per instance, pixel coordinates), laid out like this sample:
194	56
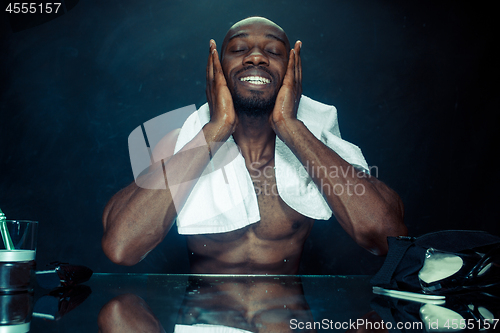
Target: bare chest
277	220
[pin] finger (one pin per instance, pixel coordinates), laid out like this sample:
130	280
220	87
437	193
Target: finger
299	65
218	73
290	70
210	73
210	70
208	81
296	60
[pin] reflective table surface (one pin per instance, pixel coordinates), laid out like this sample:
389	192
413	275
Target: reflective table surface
212	303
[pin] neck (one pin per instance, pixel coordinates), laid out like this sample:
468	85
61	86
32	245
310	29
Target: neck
256	139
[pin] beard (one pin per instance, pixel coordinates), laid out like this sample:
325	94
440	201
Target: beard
253	106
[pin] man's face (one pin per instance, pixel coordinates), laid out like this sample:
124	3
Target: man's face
254	60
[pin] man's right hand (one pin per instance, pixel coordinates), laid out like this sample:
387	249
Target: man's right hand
219	97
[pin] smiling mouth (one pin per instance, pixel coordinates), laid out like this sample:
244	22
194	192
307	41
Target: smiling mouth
255	80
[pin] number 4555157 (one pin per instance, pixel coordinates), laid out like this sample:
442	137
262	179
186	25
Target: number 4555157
32	7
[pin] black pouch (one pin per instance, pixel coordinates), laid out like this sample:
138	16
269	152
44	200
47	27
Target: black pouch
468	312
476	254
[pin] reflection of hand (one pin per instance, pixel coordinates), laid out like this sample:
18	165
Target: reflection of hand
219	97
287	101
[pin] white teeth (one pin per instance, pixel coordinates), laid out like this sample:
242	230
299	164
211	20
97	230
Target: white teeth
256	79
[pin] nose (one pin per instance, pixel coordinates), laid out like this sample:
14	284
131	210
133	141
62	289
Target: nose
256	57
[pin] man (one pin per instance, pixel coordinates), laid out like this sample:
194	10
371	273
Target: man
253	94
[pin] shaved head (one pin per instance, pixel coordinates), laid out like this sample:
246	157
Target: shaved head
248	23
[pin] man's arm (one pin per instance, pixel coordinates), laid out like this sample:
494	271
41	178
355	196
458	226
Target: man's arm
128	313
364	206
368	217
138	218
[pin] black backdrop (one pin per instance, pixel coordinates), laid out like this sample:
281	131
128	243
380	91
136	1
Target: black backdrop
415	84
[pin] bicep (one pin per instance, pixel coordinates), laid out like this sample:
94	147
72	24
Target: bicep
387	193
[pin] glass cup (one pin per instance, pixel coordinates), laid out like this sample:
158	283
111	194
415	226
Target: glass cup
17	255
16	312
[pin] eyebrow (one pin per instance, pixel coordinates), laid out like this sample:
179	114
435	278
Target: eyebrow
244	35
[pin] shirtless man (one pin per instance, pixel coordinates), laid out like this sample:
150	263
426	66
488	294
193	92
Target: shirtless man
137	219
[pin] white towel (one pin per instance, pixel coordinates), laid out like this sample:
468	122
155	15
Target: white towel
225	200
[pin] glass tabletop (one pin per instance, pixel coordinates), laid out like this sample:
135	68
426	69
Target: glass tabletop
248	303
231	303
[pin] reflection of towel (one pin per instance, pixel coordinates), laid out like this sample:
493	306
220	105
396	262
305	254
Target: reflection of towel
207	329
225	200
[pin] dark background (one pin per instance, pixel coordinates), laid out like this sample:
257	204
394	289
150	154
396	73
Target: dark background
415	84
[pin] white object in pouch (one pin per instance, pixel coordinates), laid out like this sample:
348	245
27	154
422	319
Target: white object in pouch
438	266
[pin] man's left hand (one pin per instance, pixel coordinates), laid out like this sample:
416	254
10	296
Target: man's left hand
287	101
